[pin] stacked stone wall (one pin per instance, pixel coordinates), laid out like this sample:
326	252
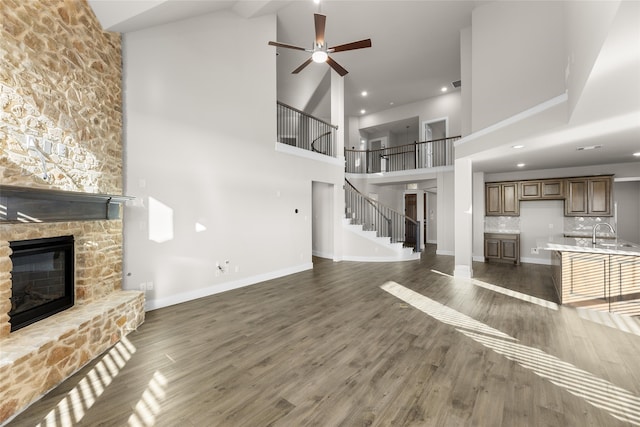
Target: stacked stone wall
61	128
60	87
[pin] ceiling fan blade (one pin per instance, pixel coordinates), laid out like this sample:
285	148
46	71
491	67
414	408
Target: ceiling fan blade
333	64
288	46
320	21
301	67
351	46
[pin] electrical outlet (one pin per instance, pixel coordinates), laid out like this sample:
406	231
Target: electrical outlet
535	251
143	286
149	286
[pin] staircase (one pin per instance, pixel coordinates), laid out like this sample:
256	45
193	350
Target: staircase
375	232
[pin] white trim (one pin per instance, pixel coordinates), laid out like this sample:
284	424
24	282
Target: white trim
436	120
443	252
322	254
626	179
414	174
432	242
300	152
223	287
462	271
535	261
478	258
414	257
553	102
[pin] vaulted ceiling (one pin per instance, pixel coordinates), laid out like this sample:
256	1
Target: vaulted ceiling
415	52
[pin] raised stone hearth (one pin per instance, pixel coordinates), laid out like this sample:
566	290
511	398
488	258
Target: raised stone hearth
36	358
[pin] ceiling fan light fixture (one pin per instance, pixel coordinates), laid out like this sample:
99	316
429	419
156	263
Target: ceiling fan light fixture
319	56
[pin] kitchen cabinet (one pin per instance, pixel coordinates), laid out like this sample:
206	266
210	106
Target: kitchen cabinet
546	189
502	247
609	282
589	196
501	199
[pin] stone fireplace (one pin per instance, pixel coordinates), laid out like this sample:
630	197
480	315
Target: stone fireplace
61	134
39	356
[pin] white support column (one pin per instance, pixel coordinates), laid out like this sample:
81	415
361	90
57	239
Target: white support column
337	118
463	191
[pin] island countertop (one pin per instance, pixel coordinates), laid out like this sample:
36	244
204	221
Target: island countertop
583	244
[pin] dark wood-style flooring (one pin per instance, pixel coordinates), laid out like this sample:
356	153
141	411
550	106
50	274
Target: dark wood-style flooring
330	347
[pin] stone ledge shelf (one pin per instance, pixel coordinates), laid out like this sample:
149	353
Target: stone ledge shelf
26	204
38	357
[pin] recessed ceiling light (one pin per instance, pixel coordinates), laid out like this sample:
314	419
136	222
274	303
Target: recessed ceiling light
637	154
589	147
444	89
391	103
364	93
520	165
316	1
363	111
517	146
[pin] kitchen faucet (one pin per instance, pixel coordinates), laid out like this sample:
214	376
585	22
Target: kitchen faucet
595	227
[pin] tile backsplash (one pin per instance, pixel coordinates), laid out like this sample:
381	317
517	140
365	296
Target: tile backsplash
502	223
572	225
584	225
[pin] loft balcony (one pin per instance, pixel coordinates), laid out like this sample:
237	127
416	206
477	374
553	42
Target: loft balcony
419	155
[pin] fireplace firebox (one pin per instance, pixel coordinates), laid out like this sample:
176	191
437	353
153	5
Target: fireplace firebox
42	279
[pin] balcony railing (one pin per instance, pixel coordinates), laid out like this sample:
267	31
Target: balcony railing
386	222
419	155
302	130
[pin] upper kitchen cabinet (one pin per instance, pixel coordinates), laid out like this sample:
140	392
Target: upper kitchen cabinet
501	199
546	189
589	196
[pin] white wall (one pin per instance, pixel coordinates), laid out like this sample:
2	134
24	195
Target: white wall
587	25
447	105
431	217
200	130
538	220
446	220
626	195
466	79
518	58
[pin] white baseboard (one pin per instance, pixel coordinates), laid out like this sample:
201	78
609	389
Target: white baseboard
415	256
153	304
322	254
478	258
442	252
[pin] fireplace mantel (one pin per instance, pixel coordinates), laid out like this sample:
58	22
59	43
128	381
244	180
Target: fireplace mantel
26	204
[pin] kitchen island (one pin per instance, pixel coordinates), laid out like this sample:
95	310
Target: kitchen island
602	276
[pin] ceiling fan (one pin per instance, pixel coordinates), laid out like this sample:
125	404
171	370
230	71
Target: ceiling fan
320	52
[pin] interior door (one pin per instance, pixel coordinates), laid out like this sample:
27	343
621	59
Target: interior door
411	211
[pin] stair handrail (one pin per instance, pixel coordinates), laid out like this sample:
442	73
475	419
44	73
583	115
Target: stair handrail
372	202
313	147
403	220
296	128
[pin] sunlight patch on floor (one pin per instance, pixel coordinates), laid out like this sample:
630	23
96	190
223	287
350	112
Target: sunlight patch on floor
148	407
624	323
619	402
508	292
72	408
439	311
